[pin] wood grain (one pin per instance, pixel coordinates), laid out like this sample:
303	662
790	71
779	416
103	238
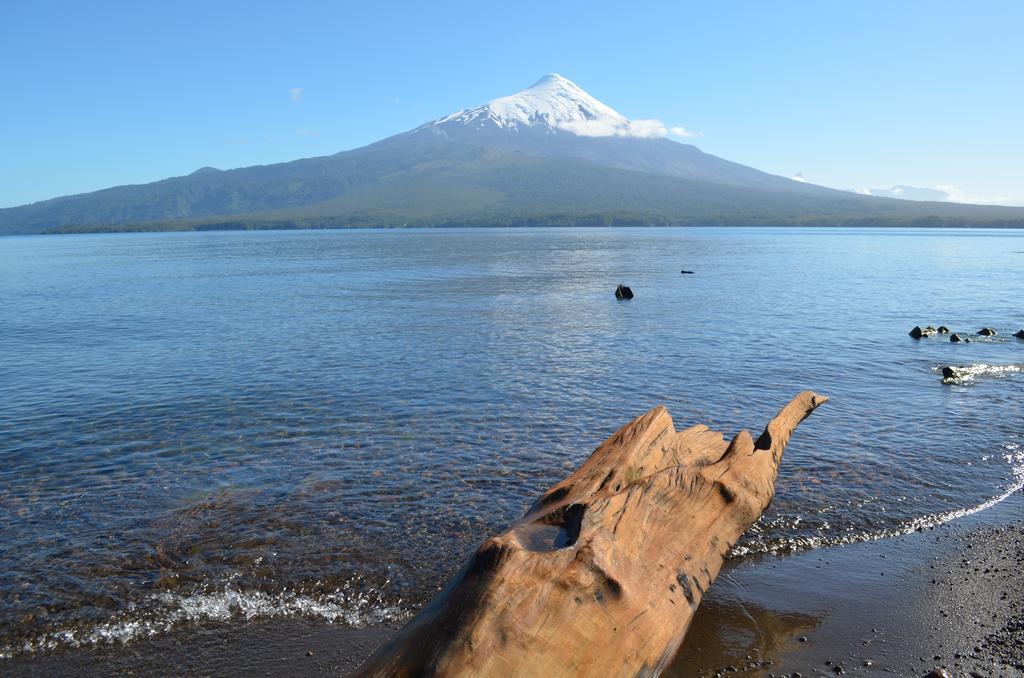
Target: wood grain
603	574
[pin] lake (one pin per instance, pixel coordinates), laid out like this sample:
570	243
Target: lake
213	427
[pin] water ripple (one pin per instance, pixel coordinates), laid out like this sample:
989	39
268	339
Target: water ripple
199	427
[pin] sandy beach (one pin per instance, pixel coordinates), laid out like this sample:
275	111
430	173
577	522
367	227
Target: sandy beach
944	597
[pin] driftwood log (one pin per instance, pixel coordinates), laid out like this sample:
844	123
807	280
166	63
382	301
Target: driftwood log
603	574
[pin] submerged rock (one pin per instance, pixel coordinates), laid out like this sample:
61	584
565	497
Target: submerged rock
943	329
987	332
623	292
685	272
957	338
922	332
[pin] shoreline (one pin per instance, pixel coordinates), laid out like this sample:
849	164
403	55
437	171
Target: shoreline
946	596
498	226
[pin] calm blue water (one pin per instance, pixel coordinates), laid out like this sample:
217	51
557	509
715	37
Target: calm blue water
215	426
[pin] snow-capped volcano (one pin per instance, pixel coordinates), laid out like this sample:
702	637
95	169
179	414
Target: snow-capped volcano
554	103
549	155
555	118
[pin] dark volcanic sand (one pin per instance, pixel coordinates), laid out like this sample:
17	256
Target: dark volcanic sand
947	597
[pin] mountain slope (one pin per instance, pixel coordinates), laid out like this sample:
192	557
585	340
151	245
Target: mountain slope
555	118
483	187
549	154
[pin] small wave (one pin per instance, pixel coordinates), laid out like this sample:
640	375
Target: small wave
357	607
163	612
969	373
1014	455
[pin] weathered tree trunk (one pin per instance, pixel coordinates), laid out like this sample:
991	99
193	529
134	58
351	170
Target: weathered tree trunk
603	574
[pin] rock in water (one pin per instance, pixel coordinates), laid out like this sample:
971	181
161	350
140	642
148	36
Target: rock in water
685	272
922	332
957	338
603	574
623	292
1019	334
952	374
943	329
987	332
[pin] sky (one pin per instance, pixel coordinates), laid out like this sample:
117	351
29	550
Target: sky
859	95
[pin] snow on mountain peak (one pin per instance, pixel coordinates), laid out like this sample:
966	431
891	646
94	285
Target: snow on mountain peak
556	103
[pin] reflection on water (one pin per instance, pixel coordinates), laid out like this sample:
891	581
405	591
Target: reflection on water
731	631
336	417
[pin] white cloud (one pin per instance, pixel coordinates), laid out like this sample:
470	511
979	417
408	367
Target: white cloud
953	193
941	193
590	128
956	194
799	176
644	129
303	132
907	192
295	93
685	133
647	129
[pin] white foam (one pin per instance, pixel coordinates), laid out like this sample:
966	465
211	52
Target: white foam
164	611
1014	455
969	373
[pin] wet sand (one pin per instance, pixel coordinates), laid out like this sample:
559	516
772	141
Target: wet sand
946	597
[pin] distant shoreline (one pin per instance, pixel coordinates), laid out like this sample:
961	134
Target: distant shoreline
290	226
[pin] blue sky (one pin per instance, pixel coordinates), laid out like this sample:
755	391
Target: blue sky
851	95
